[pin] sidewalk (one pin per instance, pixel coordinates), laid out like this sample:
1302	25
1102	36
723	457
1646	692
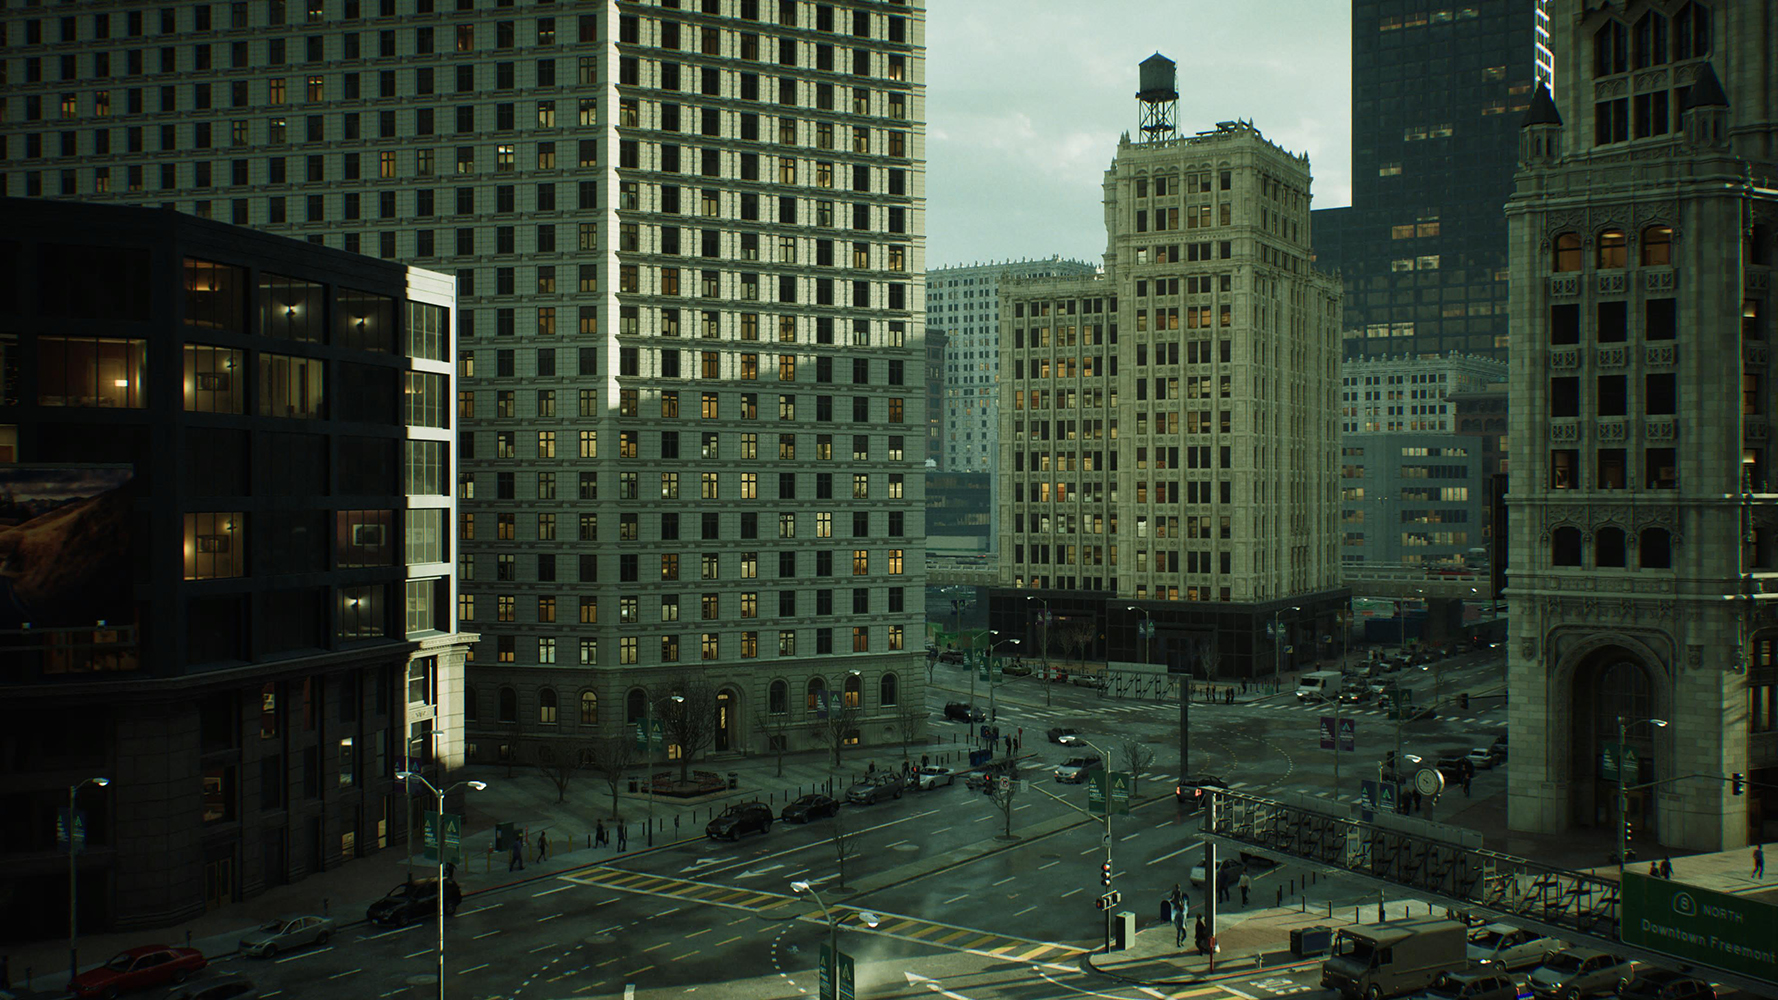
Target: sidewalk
527	799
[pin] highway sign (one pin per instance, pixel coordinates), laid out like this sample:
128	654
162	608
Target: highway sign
1699	925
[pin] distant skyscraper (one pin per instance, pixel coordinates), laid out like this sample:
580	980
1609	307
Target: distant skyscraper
1643	529
688	245
1436	93
1169	429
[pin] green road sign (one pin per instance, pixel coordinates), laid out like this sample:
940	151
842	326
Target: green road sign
1693	924
453	838
1119	782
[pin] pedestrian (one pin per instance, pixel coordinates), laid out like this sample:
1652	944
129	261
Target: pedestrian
922	762
623	836
1179	924
599	835
873	768
1202	934
1759	861
1009	746
1667	868
676	824
1246	883
542	845
517	861
1018	742
1466	784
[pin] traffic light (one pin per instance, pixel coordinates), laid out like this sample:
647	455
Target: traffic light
1108	900
1737	783
1463	701
1105	874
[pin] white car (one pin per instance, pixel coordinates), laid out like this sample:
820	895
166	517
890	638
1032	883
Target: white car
1482	758
285	935
935	777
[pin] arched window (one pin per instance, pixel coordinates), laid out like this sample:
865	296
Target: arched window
469	707
1567	253
887	693
1657	246
636	705
854	691
817	689
509	705
1611	52
1648	47
1613	248
1656	549
1608	547
546	706
1691	32
778	700
1565	547
589	708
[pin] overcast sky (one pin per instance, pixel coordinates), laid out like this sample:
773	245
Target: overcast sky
1025	100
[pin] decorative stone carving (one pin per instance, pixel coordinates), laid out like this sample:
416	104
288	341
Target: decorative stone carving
1664	609
1756	429
1659	280
1564	286
1609	88
1565	433
1611	357
1610	431
1694	656
1661	355
1612	283
1660	430
1755	354
1564	357
1758	281
1613	515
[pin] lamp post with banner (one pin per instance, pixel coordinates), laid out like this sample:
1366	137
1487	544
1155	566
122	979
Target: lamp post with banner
438	796
74	828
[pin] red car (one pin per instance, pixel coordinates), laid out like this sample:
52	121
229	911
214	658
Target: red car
138	969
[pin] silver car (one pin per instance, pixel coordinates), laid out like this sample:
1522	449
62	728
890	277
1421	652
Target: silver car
1509	947
286	934
1578	972
1075	770
934	777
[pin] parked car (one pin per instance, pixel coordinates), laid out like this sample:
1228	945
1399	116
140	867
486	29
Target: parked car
1075	770
140	968
1473	984
1016	669
1065	735
1499	747
951	656
875	788
1665	984
1577	972
959	712
739	819
1190	793
1087	681
414	901
232	988
931	777
1229	870
1482	758
810	807
979	780
286	933
1510	947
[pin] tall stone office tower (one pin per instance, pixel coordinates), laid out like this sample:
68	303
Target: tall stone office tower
1169	437
687	237
1642	526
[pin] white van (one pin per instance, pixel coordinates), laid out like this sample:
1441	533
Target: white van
1319	685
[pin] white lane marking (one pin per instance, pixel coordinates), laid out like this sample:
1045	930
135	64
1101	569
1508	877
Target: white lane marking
426	951
1182	850
953	899
561	888
1070	892
473	968
1090	850
348	972
550	917
373	937
940	830
1132	836
745	862
668	912
305	954
479	909
1005	880
1052	864
533	951
491	933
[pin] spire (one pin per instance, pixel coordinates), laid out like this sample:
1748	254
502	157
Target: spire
1705	92
1543	109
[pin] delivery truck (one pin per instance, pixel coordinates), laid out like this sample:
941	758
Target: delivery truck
1394	958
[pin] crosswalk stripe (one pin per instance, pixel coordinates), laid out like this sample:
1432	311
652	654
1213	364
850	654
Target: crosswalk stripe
898	926
928	929
983	939
1034	952
948	938
1003	949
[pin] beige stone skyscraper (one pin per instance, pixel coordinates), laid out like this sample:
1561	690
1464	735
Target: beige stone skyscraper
1169	430
1641	514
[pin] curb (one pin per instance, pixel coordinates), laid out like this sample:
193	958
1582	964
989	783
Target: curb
1086	964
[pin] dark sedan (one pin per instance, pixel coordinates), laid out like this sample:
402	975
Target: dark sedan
1064	735
810	807
1663	984
738	819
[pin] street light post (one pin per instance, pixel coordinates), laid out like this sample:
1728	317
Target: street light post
73	899
1044	621
1278	647
1105	764
993	709
439	797
833	927
1623	795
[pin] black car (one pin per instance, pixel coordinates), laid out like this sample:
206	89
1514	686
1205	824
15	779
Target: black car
959	712
810	807
1190	794
1665	984
414	901
1064	735
738	819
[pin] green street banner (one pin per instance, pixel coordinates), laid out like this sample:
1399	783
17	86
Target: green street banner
838	981
1118	783
643	732
1699	925
453	838
1613	755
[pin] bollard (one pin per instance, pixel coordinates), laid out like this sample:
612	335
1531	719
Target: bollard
589	840
1293	886
1280	896
1330	909
188	939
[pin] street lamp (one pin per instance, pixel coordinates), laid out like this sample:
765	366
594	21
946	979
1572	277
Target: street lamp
870	920
993	710
1623	795
439	797
1278	646
1044	620
647	737
73	903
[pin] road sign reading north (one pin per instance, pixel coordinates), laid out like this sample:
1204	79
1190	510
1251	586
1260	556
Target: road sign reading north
1714	928
1611	755
838	980
79	828
659	733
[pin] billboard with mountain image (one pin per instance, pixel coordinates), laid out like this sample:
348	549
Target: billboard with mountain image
65	540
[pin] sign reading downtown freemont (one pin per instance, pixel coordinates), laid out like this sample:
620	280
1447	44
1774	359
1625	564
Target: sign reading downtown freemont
1712	928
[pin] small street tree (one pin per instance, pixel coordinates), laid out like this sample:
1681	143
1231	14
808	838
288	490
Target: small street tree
610	757
839	724
1137	757
776	730
845	846
1005	789
688	718
910	719
559	766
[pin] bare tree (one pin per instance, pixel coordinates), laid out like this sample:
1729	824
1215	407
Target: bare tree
688	718
910	721
558	767
1137	757
1004	791
845	846
610	757
1078	636
515	740
838	726
776	730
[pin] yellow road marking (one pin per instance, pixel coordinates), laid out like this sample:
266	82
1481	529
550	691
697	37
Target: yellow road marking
1033	953
948	938
928	929
983	939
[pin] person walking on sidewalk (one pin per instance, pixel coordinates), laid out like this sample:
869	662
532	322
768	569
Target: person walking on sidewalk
1179	924
542	845
517	860
1667	868
623	836
1201	934
600	838
1246	883
1759	861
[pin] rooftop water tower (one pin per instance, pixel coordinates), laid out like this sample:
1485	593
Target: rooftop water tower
1159	95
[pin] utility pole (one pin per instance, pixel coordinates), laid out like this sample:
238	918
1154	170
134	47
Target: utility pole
1044	622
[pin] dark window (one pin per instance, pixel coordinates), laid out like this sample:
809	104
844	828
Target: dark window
1565	547
1660	468
1608	547
1613	396
1660	319
1565	396
1565	324
1613	324
1655	550
1660	394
